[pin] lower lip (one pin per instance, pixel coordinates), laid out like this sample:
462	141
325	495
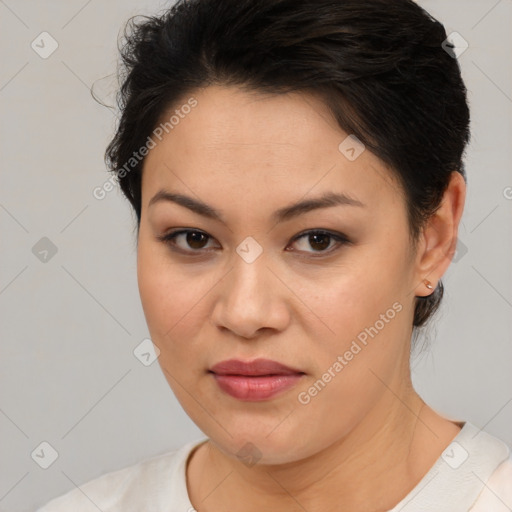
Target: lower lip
253	389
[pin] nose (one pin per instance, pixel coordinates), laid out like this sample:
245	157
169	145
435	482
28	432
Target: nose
251	299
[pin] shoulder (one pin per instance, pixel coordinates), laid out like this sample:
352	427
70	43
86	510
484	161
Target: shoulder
497	493
474	473
142	486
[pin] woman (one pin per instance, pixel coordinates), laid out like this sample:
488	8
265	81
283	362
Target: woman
295	167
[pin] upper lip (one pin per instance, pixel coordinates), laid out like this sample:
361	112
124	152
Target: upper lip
255	367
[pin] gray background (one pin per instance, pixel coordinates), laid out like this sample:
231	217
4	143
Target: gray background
69	325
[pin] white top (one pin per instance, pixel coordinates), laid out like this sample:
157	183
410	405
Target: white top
474	474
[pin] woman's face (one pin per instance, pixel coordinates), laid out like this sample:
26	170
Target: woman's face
253	283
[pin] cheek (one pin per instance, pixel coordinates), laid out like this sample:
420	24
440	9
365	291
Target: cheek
364	318
361	349
172	306
350	300
170	297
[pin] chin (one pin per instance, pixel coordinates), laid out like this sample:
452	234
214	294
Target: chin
253	445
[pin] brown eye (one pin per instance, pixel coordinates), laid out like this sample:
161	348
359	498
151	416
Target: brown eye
195	239
186	240
319	242
194	242
322	242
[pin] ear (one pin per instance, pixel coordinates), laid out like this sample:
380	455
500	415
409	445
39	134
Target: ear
438	241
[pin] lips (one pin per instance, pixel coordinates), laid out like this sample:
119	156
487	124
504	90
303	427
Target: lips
258	367
256	380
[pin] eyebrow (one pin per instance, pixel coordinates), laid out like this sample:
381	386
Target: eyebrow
327	200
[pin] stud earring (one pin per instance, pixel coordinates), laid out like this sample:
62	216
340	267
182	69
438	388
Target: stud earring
428	284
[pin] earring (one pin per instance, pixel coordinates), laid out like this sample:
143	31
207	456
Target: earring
428	284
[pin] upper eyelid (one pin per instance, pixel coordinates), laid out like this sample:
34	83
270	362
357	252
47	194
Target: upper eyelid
339	237
180	231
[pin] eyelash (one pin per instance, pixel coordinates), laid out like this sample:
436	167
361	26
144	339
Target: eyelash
339	238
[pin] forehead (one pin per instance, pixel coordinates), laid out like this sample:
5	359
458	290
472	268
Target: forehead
249	142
